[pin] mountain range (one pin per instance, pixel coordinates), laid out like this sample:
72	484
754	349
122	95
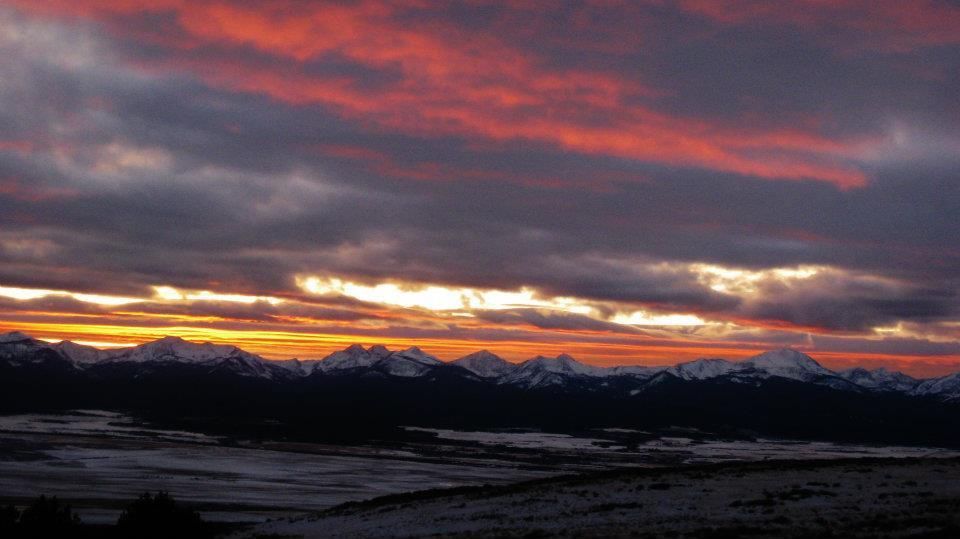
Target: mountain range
364	394
558	373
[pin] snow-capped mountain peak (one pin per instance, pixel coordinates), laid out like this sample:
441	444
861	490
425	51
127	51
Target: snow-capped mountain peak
354	356
571	365
563	364
787	363
414	353
879	379
784	363
542	371
485	364
294	365
79	354
176	349
702	369
19	349
642	371
167	351
379	350
945	387
409	363
14	336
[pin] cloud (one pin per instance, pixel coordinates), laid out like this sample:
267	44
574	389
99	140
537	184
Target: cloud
476	86
839	301
553	321
874	24
601	153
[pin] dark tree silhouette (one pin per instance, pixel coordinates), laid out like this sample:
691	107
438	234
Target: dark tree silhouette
47	517
9	516
158	517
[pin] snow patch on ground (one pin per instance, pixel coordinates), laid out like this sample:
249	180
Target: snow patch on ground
96	423
524	440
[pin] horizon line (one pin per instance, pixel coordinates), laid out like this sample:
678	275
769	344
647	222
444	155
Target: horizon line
449	361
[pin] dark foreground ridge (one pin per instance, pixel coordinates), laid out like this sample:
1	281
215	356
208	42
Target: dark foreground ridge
839	498
151	516
368	393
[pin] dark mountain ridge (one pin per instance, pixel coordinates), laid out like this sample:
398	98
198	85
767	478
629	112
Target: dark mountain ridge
364	393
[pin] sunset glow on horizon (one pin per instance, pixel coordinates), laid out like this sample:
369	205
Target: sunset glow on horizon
635	183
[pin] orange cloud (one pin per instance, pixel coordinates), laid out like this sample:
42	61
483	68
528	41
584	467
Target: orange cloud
294	329
448	80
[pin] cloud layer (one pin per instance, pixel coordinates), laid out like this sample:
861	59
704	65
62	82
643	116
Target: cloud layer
765	176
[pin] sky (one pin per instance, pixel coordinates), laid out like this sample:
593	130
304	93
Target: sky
637	182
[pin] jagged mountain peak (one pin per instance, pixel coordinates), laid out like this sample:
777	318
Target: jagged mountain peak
562	359
21	348
178	350
357	348
542	371
879	379
79	353
701	369
414	353
352	357
14	336
785	357
644	371
567	363
379	350
409	363
944	387
879	371
177	347
485	364
787	363
293	366
485	355
166	351
18	348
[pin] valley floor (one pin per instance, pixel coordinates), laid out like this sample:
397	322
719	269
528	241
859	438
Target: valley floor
913	497
682	481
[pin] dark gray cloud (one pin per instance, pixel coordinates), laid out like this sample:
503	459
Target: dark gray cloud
842	301
890	345
138	170
552	320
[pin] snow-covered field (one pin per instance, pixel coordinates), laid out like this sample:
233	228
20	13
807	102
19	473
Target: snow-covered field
524	440
99	461
849	498
96	423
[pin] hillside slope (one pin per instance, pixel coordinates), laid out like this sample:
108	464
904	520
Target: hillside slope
845	498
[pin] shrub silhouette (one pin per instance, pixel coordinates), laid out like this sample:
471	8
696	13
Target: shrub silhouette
158	517
46	517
